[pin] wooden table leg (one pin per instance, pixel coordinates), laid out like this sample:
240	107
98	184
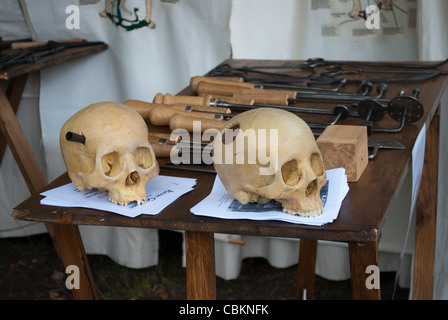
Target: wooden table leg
66	238
68	244
425	229
19	145
14	96
306	269
363	256
200	265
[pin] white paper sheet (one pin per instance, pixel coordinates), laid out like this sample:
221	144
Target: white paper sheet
161	192
418	159
219	204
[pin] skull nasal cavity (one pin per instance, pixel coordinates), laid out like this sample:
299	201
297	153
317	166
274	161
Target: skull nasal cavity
311	188
132	179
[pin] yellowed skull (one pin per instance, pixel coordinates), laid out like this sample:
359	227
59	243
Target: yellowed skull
286	163
105	146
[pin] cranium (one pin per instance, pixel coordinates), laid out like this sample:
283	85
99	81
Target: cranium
113	153
299	171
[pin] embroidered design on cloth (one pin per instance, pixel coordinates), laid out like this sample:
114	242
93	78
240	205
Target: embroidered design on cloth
114	11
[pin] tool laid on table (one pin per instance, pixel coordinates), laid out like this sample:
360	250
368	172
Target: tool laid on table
34	53
214	103
381	143
402	109
23	44
322	62
288	96
163	147
362	90
6	44
144	108
226	68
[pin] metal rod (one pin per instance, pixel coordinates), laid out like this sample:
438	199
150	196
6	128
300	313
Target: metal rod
74	137
287	108
322	62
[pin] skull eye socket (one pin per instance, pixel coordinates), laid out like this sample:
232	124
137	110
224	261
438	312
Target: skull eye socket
143	157
290	173
317	164
110	163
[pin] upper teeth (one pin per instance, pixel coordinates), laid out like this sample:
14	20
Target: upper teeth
304	214
125	203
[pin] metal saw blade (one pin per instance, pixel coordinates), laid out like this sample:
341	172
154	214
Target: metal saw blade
384	143
381	143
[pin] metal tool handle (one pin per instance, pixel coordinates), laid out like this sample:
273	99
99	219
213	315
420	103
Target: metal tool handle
374	153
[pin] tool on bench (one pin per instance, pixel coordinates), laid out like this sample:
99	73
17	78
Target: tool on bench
164	146
34	53
316	62
6	44
423	76
160	116
381	143
144	108
23	44
285	96
227	68
340	111
401	108
322	62
338	70
199	100
362	90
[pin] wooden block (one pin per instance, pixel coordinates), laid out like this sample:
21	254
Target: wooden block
347	147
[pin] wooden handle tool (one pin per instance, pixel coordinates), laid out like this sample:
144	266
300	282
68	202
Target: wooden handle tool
160	116
243	99
226	89
205	100
170	138
144	108
273	92
194	81
162	147
261	97
189	100
246	85
194	124
29	44
208	88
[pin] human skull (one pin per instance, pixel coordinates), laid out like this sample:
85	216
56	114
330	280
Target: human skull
113	153
291	149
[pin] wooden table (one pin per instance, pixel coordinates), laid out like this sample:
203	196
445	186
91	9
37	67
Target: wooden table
360	221
13	135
